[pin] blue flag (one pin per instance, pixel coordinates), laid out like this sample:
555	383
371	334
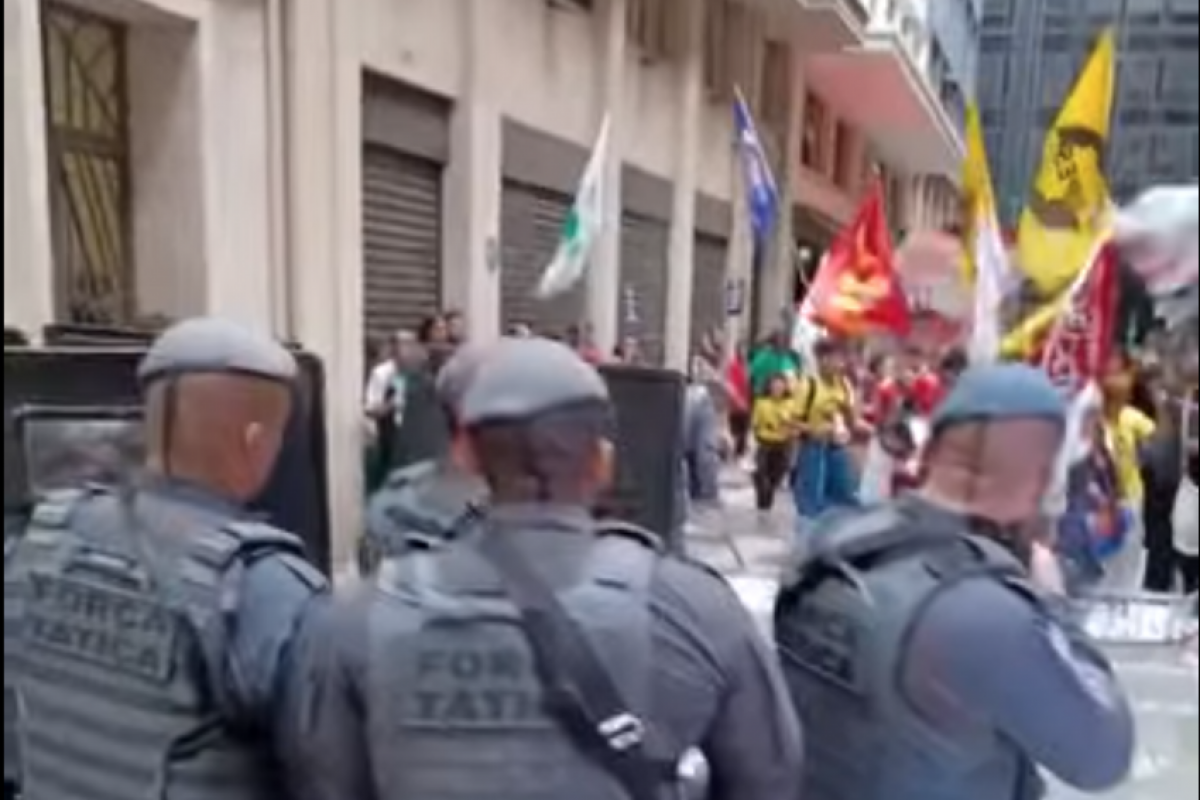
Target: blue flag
762	195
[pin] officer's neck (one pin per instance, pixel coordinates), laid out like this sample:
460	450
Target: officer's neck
947	499
518	514
207	481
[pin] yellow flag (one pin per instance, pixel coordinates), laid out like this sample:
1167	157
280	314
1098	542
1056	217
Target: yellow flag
1069	206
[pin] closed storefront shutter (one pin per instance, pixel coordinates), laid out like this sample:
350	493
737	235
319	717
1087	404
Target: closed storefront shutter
708	292
402	243
531	223
643	301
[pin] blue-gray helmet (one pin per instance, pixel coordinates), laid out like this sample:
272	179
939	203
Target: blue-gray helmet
521	379
215	345
1000	392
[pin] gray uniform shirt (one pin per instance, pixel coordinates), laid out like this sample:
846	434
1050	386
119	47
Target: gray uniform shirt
717	686
985	659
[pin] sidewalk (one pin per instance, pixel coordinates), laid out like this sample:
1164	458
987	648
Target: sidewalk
763	547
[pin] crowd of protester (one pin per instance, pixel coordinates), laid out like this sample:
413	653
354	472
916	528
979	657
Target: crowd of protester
846	429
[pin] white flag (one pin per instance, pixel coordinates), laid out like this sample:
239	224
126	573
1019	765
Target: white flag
991	274
583	225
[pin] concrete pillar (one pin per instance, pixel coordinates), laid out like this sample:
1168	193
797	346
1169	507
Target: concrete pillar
324	224
681	258
740	253
234	108
472	179
604	275
28	252
775	281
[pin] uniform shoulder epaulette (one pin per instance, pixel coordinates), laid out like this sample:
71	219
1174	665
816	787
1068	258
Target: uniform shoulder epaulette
245	540
635	533
55	509
406	476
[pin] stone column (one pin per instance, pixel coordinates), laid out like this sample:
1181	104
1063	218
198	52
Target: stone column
681	258
324	225
472	180
604	275
28	252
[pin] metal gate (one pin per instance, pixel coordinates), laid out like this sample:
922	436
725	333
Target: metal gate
87	135
532	219
708	293
402	240
643	301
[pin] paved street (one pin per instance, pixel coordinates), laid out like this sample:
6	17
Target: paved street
1161	681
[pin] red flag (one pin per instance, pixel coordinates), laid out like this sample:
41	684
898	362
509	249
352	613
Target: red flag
857	291
1081	341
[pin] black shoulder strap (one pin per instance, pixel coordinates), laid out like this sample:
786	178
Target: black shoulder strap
581	693
810	398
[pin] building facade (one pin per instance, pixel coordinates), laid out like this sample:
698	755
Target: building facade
1031	53
335	171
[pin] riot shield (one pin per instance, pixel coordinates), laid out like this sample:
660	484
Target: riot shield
296	497
649	406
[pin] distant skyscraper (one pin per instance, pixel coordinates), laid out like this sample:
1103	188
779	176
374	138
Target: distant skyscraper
1031	51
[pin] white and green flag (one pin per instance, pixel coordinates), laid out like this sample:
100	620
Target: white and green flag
583	225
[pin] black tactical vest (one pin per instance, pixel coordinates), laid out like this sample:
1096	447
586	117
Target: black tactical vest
111	660
842	631
464	707
12	752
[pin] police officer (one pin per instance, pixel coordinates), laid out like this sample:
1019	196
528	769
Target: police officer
426	503
155	620
437	694
929	642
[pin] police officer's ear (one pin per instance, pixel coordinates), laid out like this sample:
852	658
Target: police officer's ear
604	465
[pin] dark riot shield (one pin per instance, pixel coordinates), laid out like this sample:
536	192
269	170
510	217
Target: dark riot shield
649	405
296	497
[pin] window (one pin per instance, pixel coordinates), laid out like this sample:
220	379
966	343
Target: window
1057	76
1172	156
997	13
718	67
993	83
845	163
776	82
1180	82
995	43
649	25
1131	155
812	146
1137	81
91	197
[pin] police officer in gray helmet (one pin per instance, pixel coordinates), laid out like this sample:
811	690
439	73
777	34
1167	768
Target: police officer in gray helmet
157	618
929	641
424	504
446	689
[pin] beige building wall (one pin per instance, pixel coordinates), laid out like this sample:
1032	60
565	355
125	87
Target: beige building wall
246	136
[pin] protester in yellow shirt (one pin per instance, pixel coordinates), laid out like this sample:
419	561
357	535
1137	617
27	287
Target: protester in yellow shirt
1127	430
824	476
773	425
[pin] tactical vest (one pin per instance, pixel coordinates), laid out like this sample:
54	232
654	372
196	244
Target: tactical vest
116	638
842	632
462	704
417	507
12	750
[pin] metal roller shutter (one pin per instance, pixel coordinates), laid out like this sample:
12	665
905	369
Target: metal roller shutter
531	221
402	240
643	302
708	292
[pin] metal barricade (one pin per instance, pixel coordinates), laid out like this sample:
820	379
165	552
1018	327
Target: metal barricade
104	376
